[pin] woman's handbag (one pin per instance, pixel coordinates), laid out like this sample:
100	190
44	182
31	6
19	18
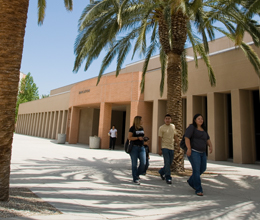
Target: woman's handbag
128	146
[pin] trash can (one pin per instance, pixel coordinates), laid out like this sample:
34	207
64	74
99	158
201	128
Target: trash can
94	142
61	139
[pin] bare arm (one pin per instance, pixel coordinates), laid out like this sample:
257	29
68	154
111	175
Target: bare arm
187	142
210	146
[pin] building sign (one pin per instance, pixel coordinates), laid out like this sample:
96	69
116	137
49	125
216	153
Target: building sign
84	91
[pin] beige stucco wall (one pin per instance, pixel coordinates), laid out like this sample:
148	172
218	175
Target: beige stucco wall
52	103
232	70
61	90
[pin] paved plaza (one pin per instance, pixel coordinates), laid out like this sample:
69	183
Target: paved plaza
94	184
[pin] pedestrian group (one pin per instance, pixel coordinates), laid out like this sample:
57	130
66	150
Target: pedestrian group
196	139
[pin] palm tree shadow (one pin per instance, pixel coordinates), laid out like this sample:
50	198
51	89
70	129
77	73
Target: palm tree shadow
104	186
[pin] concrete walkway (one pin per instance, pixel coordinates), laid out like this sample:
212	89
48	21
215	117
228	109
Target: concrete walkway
97	184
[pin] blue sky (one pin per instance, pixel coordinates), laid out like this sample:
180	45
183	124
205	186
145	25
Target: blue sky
49	49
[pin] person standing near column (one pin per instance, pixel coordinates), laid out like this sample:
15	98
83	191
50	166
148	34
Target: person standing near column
167	135
113	136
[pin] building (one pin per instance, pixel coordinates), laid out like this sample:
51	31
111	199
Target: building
231	108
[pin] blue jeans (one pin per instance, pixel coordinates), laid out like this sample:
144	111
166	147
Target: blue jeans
146	166
168	158
199	165
138	152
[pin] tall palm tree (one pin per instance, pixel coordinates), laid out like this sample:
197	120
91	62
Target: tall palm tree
12	29
115	25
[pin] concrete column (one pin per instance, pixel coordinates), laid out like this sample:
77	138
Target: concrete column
68	124
54	125
18	124
242	117
217	125
190	111
145	110
36	124
127	122
47	124
43	124
64	122
104	124
32	124
50	125
27	124
154	147
58	131
39	125
23	124
74	125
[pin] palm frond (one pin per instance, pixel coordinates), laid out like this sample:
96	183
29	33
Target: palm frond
141	40
120	12
68	4
163	60
168	19
41	11
151	50
196	5
107	60
193	40
252	57
201	50
124	48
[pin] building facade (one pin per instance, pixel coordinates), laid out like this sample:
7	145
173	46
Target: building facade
231	108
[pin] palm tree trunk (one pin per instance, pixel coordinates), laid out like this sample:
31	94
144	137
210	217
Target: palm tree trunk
174	104
13	16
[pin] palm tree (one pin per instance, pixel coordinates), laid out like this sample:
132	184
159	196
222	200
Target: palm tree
116	25
12	29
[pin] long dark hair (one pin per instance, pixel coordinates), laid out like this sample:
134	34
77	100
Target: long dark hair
195	124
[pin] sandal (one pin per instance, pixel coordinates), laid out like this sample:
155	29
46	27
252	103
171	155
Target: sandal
199	194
